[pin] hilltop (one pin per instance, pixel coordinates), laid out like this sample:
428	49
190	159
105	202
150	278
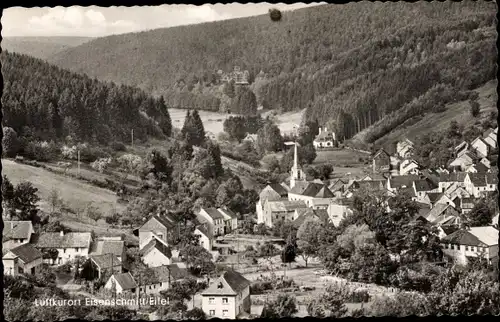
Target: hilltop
350	65
41	47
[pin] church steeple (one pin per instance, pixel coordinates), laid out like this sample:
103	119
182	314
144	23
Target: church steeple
296	174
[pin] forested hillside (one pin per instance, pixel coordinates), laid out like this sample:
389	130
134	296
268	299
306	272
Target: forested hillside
41	47
353	66
43	102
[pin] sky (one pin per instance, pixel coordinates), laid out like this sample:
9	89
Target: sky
97	21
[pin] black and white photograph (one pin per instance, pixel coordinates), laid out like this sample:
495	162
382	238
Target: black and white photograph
244	161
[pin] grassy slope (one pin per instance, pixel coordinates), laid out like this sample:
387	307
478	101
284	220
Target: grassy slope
41	47
76	194
459	112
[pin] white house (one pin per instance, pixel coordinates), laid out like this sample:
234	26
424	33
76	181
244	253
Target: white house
409	167
325	139
215	220
461	148
490	137
123	282
473	242
271	192
156	253
404	148
206	239
230	219
16	233
463	161
481	147
227	297
315	195
68	245
479	183
23	259
158	226
337	212
280	211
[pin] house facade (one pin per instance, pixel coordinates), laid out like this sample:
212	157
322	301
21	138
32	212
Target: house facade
68	245
381	161
161	227
121	283
280	211
481	147
271	192
471	243
23	259
215	220
227	297
325	139
404	148
156	253
16	233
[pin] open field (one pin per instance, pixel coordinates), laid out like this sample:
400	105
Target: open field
213	121
76	194
459	111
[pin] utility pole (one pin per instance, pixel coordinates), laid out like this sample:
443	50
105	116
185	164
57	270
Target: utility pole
132	134
78	162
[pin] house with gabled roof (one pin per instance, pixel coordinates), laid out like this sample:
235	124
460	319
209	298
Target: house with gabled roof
16	233
461	148
227	297
23	259
281	210
381	161
446	180
109	245
424	186
206	238
409	166
338	211
160	226
315	195
320	215
230	219
121	283
271	192
444	231
163	277
474	242
106	263
156	253
404	148
477	168
477	184
324	139
490	137
374	177
481	147
68	245
463	161
442	214
214	219
394	184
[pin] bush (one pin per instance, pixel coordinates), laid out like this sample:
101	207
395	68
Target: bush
40	151
118	146
360	296
10	142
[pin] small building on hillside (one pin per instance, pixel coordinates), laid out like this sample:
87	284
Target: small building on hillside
98	265
160	226
381	161
206	239
281	210
478	184
121	283
490	137
163	277
156	253
481	147
23	259
227	297
409	166
16	233
109	245
271	192
404	148
325	139
475	242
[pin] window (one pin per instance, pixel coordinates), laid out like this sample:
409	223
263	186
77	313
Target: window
452	246
225	312
458	247
161	284
211	312
224	300
472	248
77	249
446	246
64	250
466	247
211	300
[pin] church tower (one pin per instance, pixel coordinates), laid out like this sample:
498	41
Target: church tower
297	173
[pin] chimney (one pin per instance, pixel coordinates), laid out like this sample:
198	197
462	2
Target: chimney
61	233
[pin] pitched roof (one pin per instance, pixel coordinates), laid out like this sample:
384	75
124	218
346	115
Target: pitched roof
424	185
160	274
381	152
164	219
491	178
178	272
400	181
325	134
279	189
115	247
125	280
204	230
434	196
449	229
161	247
105	261
408	191
319	214
299	187
478	179
371	184
494	221
16	230
488	132
318	190
436	211
475	236
481	168
286	205
68	240
213	213
230	283
228	212
452	177
27	253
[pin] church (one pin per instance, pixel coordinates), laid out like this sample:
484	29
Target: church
290	198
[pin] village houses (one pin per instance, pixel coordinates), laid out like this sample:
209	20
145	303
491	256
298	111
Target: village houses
160	226
404	148
16	233
324	139
227	297
121	283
